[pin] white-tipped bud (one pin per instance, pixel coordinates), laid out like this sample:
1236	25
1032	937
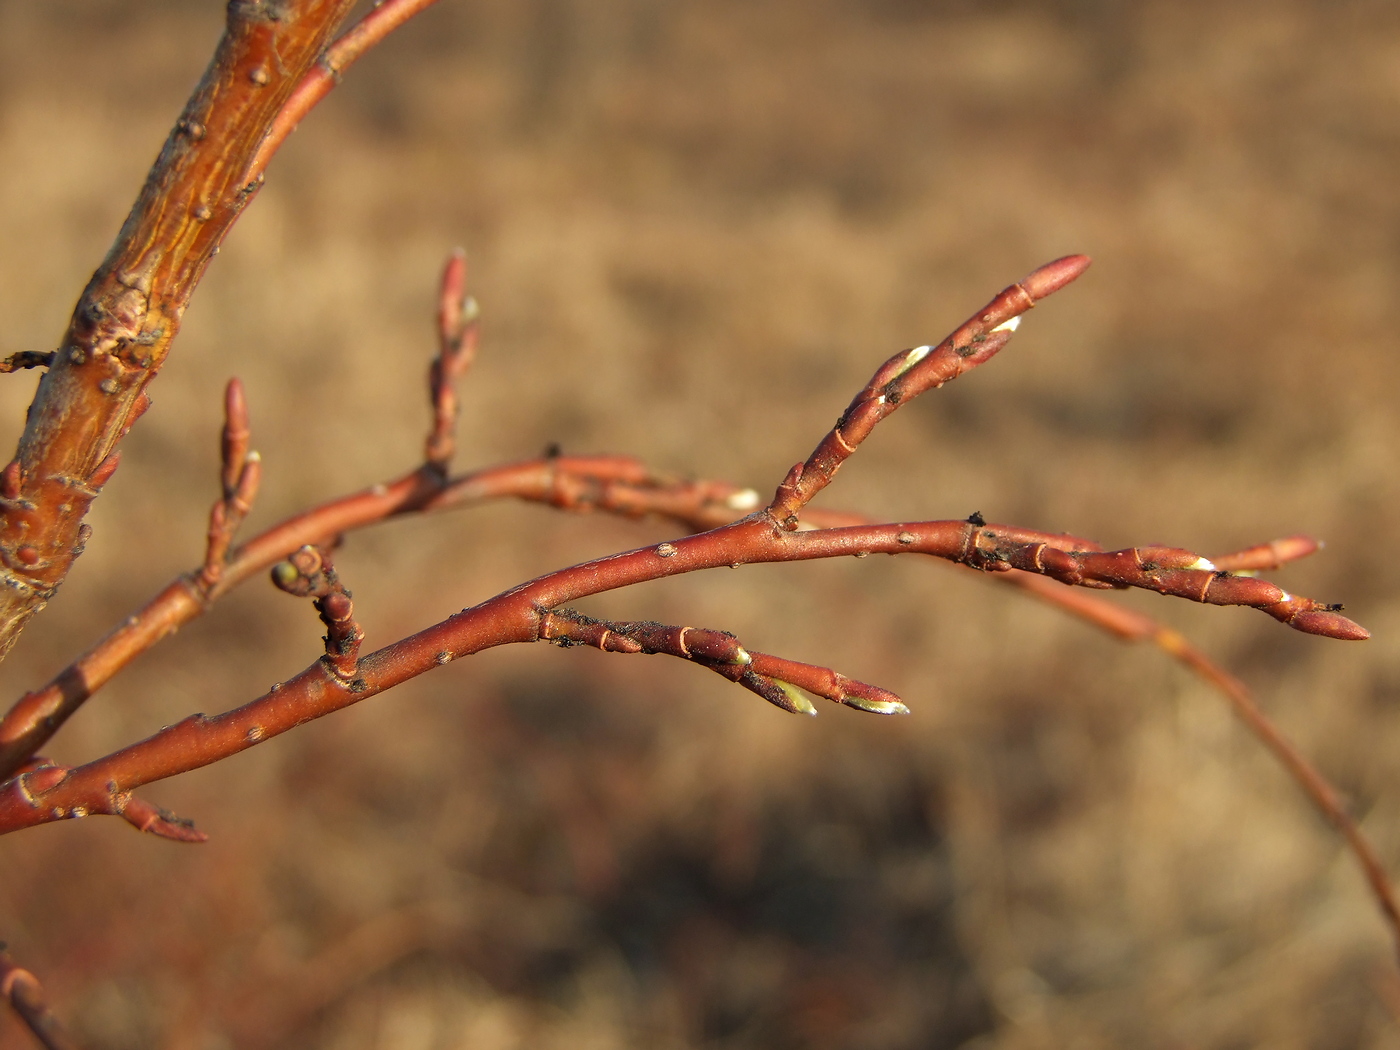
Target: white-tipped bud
913	357
744	499
1009	326
1203	563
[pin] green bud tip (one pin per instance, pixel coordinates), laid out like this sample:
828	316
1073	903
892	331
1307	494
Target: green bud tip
800	704
876	707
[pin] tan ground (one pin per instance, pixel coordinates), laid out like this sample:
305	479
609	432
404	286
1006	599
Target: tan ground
695	226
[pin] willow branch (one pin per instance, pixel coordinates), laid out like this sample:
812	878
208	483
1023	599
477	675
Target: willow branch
621	485
22	990
515	616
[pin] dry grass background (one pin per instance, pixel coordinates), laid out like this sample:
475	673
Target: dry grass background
695	226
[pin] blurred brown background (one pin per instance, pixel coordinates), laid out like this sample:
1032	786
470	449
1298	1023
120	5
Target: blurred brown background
695	226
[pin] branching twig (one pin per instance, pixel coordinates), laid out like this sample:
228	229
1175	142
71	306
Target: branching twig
763	537
621	485
26	996
909	374
614	484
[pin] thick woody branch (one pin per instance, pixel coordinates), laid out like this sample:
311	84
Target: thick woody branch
131	309
771	677
22	990
264	78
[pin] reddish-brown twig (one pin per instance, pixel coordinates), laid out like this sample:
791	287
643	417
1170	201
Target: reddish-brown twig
513	616
240	475
458	331
387	16
766	536
1132	626
912	372
26	996
614	484
308	573
771	677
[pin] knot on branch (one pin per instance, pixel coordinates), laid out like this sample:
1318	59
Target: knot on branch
308	573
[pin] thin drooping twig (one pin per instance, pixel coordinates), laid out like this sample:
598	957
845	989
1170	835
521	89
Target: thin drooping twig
1132	626
22	990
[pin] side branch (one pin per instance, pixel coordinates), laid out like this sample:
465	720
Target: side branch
908	374
386	16
776	680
